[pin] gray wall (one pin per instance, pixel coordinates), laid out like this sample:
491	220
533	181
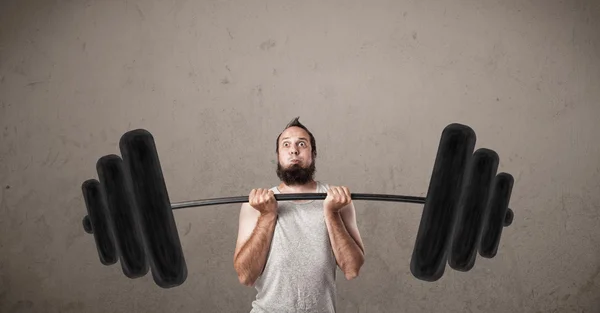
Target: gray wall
376	81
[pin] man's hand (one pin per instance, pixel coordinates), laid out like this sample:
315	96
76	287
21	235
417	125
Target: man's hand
337	198
263	200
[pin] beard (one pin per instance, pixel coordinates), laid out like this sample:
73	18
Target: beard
296	174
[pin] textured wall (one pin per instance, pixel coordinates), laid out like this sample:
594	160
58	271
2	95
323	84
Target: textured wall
376	81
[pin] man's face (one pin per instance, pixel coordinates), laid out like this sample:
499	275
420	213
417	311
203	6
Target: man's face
295	165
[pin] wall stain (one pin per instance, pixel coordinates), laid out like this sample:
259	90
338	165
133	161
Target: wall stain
266	45
73	306
587	286
189	228
22	306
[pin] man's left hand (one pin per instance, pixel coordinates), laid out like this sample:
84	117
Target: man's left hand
337	198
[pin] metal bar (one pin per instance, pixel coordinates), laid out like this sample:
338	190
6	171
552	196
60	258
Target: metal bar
298	196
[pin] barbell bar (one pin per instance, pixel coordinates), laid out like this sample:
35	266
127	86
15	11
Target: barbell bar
296	196
131	218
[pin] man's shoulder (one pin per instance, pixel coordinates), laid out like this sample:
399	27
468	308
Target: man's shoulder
323	186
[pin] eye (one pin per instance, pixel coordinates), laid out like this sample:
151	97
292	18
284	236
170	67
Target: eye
302	144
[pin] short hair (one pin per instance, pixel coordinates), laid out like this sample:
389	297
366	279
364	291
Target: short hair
295	122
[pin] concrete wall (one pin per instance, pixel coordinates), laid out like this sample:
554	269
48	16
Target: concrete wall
376	81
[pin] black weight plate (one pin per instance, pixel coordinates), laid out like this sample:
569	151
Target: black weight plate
120	200
496	215
99	218
474	198
430	252
152	200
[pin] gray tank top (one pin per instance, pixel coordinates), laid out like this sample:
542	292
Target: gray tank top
300	271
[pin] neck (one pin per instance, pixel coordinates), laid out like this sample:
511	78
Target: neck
309	187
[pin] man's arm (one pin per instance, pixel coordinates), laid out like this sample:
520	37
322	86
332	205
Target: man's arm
254	241
346	241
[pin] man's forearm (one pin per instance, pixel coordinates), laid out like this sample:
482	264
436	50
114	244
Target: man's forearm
252	257
348	253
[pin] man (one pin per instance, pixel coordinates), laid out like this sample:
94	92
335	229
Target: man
289	250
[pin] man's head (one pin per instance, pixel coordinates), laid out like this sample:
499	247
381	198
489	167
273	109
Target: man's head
296	151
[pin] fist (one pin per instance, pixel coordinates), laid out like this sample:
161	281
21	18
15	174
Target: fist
263	200
337	198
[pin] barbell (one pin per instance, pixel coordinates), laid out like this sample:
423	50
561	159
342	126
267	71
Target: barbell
131	217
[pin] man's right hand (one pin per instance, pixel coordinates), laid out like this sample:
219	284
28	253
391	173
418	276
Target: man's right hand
263	200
